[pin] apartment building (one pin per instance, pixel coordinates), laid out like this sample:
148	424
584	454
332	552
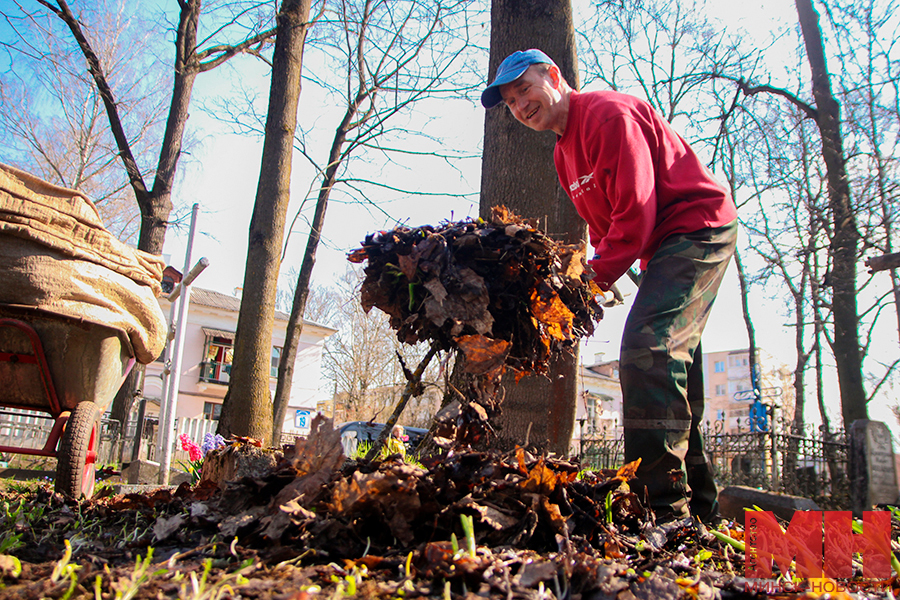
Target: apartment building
729	389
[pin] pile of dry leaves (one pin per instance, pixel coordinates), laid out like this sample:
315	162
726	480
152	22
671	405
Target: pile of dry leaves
501	291
475	525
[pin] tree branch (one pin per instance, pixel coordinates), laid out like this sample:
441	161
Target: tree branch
413	388
224	52
751	90
96	71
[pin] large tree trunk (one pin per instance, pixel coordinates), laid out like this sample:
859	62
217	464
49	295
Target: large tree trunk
247	408
845	237
518	171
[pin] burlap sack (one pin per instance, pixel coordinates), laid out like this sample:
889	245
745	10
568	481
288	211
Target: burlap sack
56	255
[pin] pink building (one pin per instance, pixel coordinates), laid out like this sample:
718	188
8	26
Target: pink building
206	365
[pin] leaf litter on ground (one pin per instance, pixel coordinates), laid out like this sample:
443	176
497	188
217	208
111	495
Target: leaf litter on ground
320	526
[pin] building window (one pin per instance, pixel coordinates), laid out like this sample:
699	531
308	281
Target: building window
736	387
590	413
218	356
276	360
720	366
720	415
216	368
212	410
720	389
738	361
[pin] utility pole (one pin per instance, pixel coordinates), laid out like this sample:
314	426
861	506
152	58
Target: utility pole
172	375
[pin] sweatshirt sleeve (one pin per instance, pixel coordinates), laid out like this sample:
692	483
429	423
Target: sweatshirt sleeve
624	166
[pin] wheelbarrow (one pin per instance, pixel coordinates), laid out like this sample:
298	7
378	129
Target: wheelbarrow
69	368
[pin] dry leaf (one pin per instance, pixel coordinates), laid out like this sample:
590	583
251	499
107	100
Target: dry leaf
165	527
483	354
541	480
549	309
629	471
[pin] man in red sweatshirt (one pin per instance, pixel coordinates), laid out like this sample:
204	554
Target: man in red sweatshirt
645	196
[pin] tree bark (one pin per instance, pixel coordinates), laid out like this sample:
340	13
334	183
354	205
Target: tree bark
845	236
518	171
247	408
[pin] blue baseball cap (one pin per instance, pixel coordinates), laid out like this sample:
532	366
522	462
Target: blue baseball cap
509	70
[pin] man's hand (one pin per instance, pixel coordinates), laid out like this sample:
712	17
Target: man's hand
611	298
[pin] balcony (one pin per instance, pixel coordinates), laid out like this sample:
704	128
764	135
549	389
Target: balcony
215	372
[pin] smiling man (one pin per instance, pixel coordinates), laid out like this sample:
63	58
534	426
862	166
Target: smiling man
646	197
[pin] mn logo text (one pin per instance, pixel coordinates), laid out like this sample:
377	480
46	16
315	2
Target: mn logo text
822	543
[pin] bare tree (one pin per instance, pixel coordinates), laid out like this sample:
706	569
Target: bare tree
322	306
842	227
391	55
155	203
362	362
52	116
190	60
868	85
845	236
667	53
517	171
246	408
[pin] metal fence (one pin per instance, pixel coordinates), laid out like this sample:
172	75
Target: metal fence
812	463
31	429
605	449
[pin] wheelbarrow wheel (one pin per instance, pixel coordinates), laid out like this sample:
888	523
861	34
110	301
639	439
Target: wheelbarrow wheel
78	452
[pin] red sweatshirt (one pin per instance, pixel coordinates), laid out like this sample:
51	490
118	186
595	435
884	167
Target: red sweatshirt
634	180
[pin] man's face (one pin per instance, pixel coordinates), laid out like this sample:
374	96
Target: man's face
534	98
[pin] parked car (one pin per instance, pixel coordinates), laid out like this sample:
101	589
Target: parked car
354	432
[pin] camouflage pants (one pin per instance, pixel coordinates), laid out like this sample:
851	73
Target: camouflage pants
662	384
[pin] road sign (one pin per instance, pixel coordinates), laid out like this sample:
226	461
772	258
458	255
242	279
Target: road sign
759	420
302	419
769	392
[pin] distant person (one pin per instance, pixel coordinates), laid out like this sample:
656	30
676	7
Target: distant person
645	196
396	442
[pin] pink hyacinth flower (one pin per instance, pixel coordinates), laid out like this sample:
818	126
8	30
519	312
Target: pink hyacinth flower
192	448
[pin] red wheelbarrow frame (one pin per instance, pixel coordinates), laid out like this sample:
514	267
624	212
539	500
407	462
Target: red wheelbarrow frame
60	416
